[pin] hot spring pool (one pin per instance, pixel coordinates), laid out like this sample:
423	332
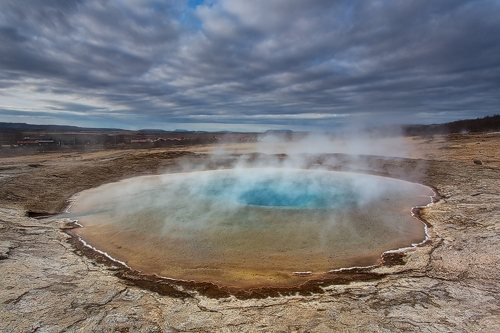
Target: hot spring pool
250	226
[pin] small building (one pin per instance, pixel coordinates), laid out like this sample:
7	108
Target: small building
32	142
142	141
45	142
28	142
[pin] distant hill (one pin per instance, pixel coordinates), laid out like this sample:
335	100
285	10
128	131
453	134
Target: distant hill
22	127
284	131
485	124
151	130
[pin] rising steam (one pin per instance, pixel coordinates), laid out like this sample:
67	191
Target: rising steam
278	205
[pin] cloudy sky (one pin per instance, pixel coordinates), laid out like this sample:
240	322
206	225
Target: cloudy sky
248	65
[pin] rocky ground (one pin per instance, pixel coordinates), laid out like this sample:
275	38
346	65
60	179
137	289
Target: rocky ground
451	284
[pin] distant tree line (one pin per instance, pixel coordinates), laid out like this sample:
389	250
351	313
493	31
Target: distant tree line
485	124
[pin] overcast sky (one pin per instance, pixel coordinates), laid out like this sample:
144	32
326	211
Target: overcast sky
248	65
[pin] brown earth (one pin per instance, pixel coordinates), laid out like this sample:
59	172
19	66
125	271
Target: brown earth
451	284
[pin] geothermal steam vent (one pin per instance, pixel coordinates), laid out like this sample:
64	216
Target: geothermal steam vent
250	226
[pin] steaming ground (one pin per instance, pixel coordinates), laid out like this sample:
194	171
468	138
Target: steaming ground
354	144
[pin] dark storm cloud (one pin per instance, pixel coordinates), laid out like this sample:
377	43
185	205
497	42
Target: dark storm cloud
283	62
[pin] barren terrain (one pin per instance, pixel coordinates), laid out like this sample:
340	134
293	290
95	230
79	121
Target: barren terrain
450	284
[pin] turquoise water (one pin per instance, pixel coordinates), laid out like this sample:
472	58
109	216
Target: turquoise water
266	195
295	189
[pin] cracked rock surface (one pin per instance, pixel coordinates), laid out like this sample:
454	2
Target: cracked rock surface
451	284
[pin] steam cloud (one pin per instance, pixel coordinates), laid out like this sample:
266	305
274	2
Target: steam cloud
271	202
